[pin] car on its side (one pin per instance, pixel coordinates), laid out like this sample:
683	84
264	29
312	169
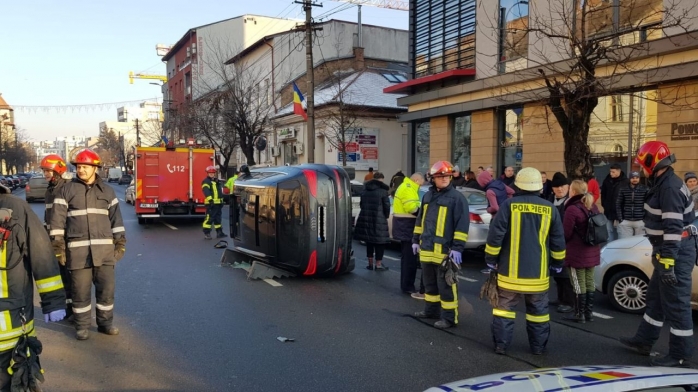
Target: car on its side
36	189
625	271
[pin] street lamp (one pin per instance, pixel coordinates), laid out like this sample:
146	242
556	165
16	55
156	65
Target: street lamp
503	15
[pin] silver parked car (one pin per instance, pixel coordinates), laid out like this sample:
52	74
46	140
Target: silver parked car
625	271
36	189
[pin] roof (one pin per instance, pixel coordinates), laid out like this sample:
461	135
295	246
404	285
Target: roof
3	104
360	88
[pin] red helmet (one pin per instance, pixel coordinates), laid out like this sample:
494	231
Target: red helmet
54	162
653	156
87	157
441	169
210	169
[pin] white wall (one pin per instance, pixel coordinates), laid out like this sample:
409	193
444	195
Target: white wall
486	38
554	18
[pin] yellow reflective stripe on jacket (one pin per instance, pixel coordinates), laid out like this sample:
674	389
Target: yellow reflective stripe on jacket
492	250
10	336
460	236
523	285
514	243
49	284
419	227
441	221
504	313
4	289
542	239
559	255
538	319
435	256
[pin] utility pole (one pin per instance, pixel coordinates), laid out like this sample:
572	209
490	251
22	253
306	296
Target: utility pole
310	93
138	134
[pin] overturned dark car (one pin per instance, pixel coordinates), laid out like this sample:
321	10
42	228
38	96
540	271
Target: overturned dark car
297	218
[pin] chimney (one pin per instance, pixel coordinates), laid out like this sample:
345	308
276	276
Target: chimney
359	62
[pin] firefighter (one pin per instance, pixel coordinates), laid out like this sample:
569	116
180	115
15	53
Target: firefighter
89	238
440	233
668	221
525	238
54	168
214	203
26	257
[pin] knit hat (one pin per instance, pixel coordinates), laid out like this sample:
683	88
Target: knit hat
689	175
559	179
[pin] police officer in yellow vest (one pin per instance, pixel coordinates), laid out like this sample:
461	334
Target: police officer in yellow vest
213	191
526	239
405	208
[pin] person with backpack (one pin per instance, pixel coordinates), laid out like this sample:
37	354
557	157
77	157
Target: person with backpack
582	256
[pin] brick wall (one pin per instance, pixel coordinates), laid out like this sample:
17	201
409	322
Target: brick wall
543	145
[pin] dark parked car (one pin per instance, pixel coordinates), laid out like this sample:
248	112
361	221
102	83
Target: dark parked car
36	188
6	182
125	179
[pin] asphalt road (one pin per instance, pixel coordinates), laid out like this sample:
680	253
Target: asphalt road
189	324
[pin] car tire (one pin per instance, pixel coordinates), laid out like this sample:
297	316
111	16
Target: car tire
627	291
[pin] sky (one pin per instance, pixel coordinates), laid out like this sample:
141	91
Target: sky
64	65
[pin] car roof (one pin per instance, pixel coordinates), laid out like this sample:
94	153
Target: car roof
581	378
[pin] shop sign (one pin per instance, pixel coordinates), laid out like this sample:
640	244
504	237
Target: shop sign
287	133
684	131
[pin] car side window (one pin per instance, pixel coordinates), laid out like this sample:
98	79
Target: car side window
476	198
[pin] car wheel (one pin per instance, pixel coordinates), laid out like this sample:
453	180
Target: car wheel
628	291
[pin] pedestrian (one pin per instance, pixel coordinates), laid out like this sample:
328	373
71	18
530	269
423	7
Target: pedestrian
369	175
581	258
230	184
458	179
692	183
213	193
609	194
89	238
480	169
471	181
395	181
495	190
669	225
27	259
630	207
508	176
405	209
565	293
54	169
547	191
440	234
522	236
372	224
490	169
593	187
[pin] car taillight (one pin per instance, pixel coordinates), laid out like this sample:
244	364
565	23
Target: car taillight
312	264
475	218
311	176
339	260
339	184
27	189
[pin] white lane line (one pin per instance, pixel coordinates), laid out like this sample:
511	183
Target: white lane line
169	225
273	282
603	316
122	200
390	258
467	279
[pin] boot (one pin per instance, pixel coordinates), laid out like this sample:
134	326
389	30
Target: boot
108	330
669	361
579	306
425	315
82	334
444	324
642	349
589	308
220	234
207	235
370	264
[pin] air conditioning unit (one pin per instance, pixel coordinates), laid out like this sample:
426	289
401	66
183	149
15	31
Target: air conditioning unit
298	148
275	151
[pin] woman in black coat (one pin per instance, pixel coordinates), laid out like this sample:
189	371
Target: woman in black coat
372	225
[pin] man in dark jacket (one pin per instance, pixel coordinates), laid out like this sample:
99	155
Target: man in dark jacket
54	168
405	208
609	194
86	221
547	190
565	292
508	176
458	178
630	207
522	236
669	225
439	237
372	224
27	259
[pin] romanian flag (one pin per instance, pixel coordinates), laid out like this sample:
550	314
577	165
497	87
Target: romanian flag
299	102
163	141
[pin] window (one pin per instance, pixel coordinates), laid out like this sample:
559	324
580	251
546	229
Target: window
616	103
421	148
511	137
460	154
443	35
153	115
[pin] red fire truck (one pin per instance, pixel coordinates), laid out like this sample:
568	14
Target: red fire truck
168	181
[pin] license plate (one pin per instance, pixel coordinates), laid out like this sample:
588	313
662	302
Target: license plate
146	205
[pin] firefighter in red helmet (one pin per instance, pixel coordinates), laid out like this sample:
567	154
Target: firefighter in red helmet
213	191
54	168
439	237
669	217
87	209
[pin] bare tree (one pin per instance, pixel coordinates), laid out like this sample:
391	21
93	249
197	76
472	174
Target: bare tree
571	40
16	152
109	147
151	132
205	120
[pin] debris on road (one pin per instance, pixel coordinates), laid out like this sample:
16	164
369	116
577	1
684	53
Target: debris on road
284	340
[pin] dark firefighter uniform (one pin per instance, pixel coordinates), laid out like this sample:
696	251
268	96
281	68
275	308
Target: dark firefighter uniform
88	230
668	216
213	191
442	226
526	238
54	187
25	257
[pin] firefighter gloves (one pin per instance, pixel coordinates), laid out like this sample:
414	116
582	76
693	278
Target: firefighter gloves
668	276
59	249
119	248
55	316
456	256
415	248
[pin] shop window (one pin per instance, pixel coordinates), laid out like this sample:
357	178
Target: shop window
460	154
421	147
510	123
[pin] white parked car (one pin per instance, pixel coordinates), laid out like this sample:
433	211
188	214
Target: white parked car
130	193
625	271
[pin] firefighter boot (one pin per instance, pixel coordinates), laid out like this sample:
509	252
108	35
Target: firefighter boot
108	330
579	306
444	324
589	308
425	315
669	361
220	234
82	334
207	235
642	349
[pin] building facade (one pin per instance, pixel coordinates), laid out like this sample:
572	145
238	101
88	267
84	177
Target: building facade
7	129
486	106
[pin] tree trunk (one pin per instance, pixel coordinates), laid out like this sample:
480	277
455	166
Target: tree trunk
577	154
248	151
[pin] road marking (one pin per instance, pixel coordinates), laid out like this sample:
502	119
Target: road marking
273	282
122	200
169	225
390	258
603	316
467	279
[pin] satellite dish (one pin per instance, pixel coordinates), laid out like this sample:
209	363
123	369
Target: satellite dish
260	143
